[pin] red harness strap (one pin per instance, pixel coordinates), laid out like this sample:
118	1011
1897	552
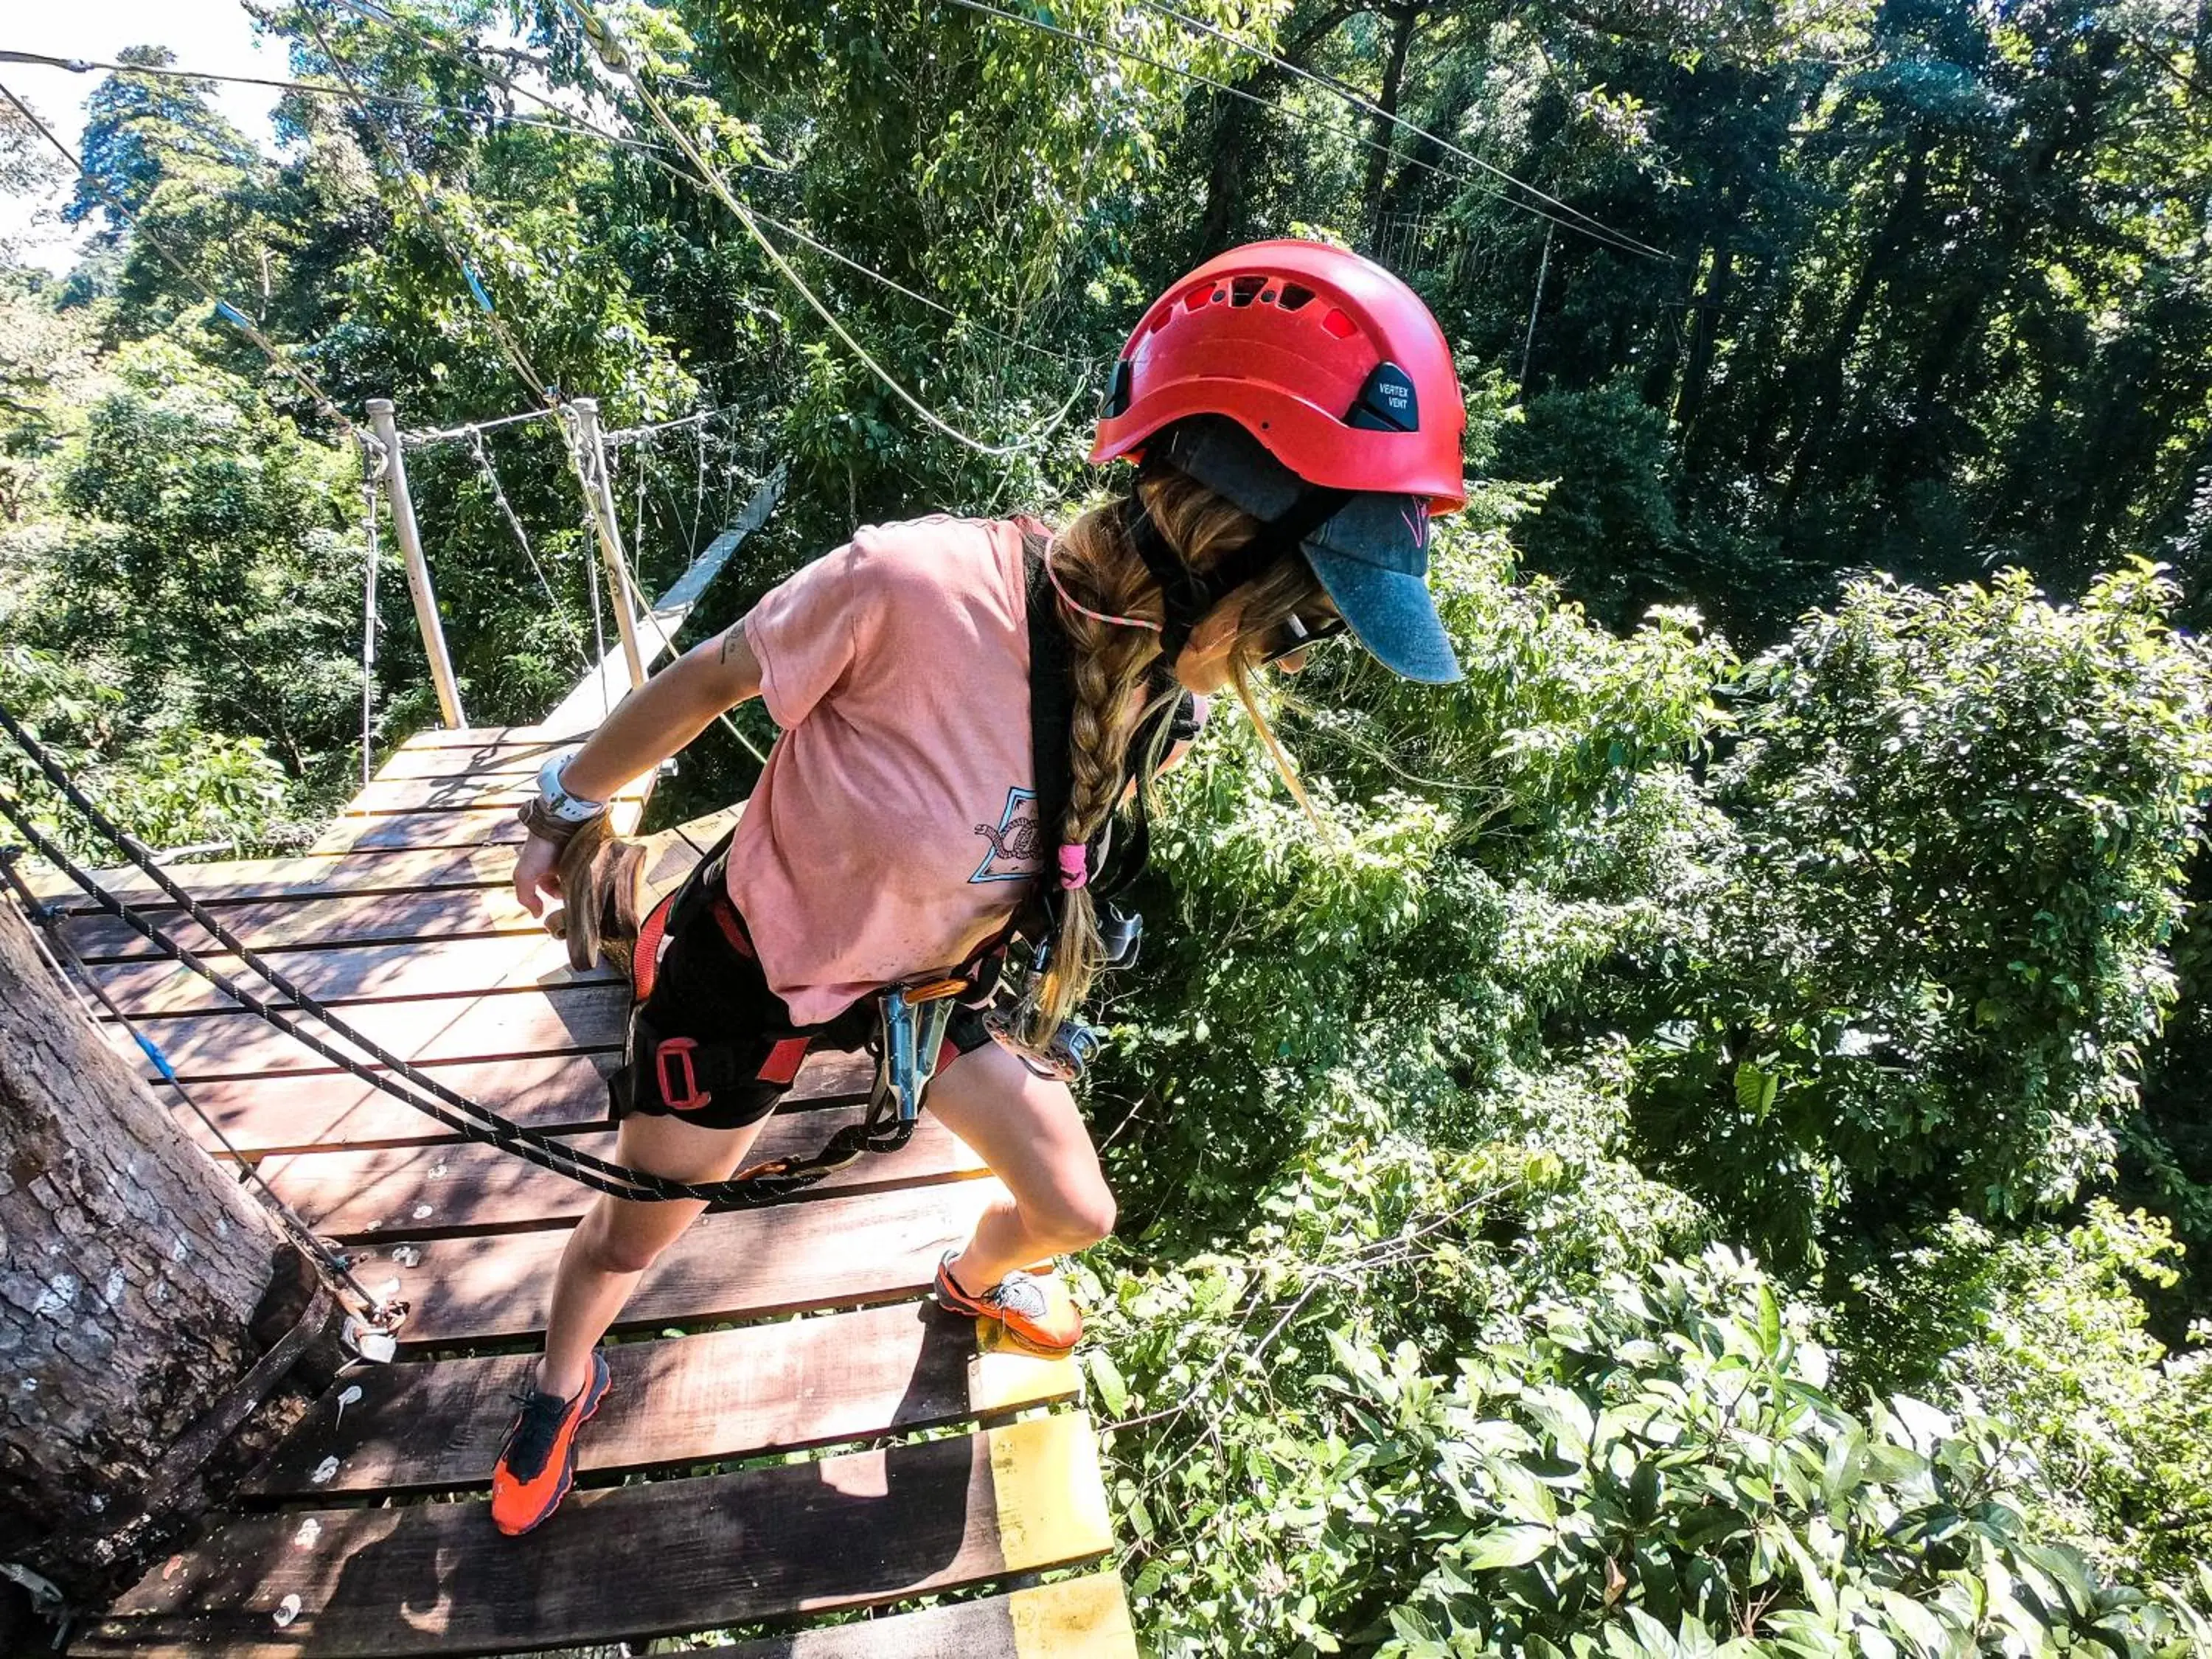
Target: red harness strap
645	961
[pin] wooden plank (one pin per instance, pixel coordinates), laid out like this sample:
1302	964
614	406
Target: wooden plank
320	923
436	1425
485	826
671	855
421	1192
566	1019
743	1264
357	974
305	876
626	1562
495	762
502	736
1085	1618
295	1112
493	826
476	789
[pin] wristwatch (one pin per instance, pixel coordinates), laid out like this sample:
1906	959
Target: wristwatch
555	814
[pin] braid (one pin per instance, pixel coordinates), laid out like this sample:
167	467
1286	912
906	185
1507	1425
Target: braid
1102	571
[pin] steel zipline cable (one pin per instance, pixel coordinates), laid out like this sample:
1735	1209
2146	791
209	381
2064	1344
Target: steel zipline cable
704	174
426	200
1587	224
324	403
162	71
611	52
657	154
467	1118
1602	234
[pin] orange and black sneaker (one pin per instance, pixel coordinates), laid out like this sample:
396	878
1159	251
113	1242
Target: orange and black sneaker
1035	1308
538	1464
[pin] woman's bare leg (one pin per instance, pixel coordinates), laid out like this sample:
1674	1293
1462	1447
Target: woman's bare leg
620	1238
1027	1129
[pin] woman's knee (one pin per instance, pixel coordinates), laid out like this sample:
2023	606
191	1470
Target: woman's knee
619	1236
1076	1214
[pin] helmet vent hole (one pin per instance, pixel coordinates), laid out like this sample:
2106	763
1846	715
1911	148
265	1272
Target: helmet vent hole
1339	325
1242	290
1294	296
1196	299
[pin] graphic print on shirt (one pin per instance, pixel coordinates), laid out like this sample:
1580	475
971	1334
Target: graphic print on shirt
1015	840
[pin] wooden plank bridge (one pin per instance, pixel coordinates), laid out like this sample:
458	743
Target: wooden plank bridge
793	1434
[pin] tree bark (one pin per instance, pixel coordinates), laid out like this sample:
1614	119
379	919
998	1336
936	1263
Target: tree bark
1403	18
137	1284
1233	126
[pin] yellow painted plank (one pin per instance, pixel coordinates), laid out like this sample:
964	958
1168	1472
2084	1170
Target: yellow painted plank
1051	1496
1076	1618
1004	1374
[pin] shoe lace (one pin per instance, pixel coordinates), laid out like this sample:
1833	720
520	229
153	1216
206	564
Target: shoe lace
529	1442
1018	1293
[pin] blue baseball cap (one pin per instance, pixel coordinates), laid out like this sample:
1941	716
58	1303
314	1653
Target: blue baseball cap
1371	555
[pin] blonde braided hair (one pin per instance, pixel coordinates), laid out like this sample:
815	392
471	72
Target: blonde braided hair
1097	567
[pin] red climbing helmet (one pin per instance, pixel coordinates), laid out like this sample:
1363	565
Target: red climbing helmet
1328	360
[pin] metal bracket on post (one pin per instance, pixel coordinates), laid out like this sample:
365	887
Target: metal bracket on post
588	452
387	429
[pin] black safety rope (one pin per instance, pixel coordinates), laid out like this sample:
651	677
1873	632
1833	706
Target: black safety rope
881	1131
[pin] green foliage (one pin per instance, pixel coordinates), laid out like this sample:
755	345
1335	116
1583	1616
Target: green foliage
2046	1330
170	783
214	563
1607	530
1486	847
1422	1118
1963	819
1657	1470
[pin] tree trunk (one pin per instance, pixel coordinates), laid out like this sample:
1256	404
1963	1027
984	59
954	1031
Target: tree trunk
1235	127
137	1284
1402	20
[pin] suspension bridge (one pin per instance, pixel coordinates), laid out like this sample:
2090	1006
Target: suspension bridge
795	1435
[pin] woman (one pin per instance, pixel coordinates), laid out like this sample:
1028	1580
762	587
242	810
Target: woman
1295	417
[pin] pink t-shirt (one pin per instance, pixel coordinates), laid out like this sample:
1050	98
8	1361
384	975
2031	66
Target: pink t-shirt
894	831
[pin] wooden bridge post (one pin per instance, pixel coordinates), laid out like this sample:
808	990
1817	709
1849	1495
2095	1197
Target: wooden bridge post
418	569
591	458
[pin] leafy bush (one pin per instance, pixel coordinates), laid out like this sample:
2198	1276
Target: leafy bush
1657	1470
1488	847
1964	818
2046	1329
1608	531
216	563
1653	1466
169	783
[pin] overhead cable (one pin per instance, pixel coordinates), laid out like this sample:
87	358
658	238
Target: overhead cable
1041	26
1588	224
278	357
657	154
88	65
439	434
1115	49
611	52
517	358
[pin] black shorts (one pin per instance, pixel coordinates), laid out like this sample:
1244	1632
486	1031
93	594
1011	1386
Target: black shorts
711	1043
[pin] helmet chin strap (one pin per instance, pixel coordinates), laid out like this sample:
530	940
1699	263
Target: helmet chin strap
1187	597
